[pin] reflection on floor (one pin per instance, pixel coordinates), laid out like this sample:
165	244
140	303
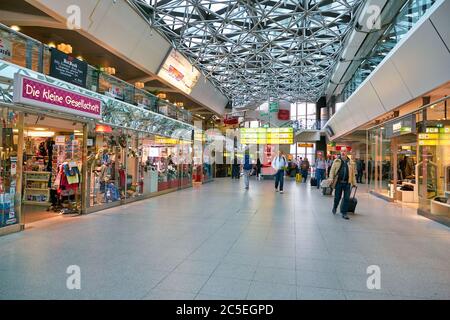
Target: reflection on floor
33	213
219	241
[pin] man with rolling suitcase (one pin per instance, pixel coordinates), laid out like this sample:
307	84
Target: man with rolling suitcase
343	174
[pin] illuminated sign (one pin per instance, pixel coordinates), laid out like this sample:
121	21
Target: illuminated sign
432	130
405	125
164	140
179	72
267	135
397	126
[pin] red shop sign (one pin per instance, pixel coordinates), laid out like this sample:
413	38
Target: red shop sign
283	114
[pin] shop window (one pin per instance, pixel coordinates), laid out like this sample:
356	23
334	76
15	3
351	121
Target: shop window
9	175
106	161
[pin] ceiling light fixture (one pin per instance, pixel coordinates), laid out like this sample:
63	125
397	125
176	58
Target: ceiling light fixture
15	28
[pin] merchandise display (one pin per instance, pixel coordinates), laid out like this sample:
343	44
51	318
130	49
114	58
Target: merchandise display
8	168
52	162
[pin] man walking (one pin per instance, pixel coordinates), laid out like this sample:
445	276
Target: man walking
359	170
247	167
279	163
321	168
343	174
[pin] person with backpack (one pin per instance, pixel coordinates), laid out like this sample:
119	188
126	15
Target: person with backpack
343	175
279	163
247	167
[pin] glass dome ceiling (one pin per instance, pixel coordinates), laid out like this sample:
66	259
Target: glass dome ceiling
256	50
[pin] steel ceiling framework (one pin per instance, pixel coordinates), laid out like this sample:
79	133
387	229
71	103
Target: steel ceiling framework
255	50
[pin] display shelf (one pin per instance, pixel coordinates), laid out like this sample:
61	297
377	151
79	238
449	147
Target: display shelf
38	203
33	192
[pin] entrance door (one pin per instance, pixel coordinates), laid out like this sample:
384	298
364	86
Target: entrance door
52	167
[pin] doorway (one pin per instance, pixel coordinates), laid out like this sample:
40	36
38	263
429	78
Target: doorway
52	160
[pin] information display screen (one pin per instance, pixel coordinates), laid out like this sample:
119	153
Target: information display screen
267	135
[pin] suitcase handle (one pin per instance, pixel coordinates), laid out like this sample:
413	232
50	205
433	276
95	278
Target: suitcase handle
354	194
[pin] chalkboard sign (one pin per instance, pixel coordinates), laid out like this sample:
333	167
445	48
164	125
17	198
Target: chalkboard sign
67	68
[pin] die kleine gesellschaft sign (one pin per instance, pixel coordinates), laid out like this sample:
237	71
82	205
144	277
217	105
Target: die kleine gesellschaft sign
37	93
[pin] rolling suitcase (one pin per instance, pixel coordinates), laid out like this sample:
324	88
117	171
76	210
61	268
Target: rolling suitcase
313	182
298	177
352	202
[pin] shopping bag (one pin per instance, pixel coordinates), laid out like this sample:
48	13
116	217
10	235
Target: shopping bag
298	177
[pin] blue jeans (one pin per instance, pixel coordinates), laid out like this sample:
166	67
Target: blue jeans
342	188
247	178
320	175
304	174
279	179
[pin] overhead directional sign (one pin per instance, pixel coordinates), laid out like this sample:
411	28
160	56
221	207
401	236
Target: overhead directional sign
267	135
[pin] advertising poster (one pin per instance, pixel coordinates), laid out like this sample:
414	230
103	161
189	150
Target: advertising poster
5	49
67	68
179	72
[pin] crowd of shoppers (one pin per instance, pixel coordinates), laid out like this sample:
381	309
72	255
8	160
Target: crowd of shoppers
342	173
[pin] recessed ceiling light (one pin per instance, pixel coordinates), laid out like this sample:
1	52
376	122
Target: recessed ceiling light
40	129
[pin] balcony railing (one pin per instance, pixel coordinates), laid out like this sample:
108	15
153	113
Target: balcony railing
31	54
412	11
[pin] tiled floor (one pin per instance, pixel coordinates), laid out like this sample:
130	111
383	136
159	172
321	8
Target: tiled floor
221	242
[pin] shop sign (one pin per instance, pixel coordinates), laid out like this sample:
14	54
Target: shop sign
432	130
401	126
103	128
68	68
284	114
41	94
5	49
305	145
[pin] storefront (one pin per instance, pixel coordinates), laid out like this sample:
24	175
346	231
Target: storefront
391	165
66	150
409	160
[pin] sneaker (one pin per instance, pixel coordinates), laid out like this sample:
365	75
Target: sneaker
276	190
334	211
344	216
281	191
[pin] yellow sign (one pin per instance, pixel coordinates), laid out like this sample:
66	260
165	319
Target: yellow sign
428	136
432	130
267	135
164	140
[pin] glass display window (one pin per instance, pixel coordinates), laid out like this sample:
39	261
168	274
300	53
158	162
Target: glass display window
107	177
433	165
9	175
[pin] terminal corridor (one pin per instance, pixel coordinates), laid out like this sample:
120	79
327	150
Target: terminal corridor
219	241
